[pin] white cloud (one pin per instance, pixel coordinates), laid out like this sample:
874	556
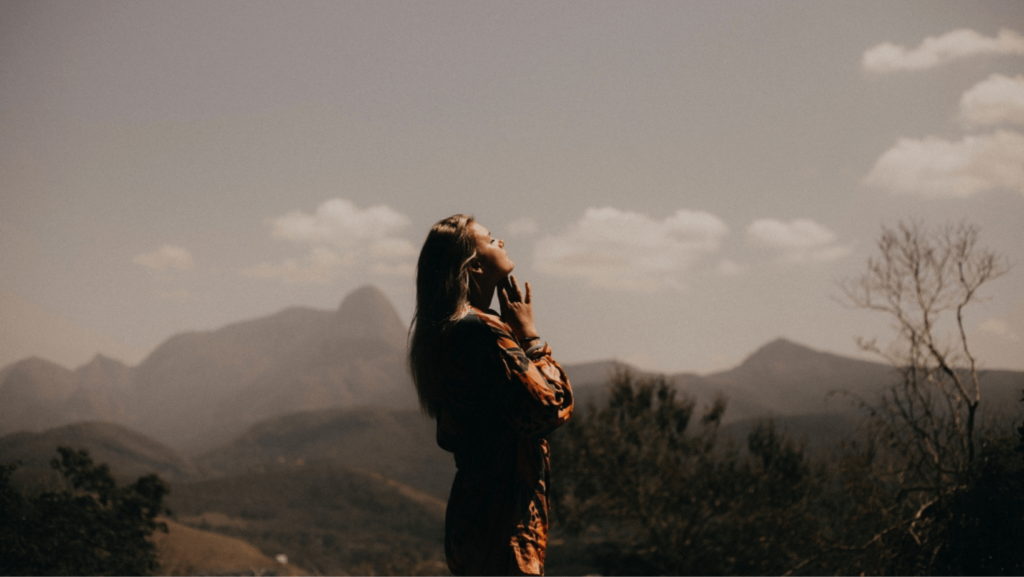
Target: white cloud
824	254
318	268
936	51
339	234
522	227
998	327
392	248
340	223
625	250
995	100
796	234
166	257
937	167
799	240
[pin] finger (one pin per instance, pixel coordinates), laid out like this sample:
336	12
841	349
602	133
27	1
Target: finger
515	287
528	298
504	285
504	305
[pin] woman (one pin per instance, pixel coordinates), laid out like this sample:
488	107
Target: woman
495	391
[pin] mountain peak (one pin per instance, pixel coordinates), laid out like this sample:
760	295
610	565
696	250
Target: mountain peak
366	296
778	354
33	367
782	345
366	312
103	372
33	379
784	358
100	360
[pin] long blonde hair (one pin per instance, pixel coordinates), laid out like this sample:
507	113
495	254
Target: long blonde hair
442	294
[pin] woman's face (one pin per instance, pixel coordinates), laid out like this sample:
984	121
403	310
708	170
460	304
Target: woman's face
493	261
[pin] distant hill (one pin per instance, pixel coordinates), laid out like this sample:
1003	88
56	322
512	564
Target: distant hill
185	550
326	518
102	391
128	453
34	395
397	443
199	389
781	378
595	373
786	379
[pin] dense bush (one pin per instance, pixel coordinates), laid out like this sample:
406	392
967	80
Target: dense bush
651	490
641	486
975	528
93	527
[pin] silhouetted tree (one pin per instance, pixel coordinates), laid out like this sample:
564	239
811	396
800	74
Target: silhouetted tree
928	483
919	279
93	527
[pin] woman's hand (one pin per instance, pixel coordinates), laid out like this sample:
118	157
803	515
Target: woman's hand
516	308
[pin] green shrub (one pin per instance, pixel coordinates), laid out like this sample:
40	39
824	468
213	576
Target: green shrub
93	527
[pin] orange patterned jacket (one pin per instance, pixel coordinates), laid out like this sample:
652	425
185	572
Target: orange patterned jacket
497	407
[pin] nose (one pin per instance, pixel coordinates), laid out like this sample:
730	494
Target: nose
501	243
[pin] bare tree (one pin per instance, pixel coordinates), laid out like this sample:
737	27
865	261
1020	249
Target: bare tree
923	280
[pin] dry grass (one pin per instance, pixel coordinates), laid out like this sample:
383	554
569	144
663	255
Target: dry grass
187	551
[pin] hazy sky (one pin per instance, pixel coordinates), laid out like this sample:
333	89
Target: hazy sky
681	182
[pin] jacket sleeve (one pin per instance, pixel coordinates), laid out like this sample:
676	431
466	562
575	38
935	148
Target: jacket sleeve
534	395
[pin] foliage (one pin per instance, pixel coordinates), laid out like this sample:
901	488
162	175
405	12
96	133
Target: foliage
641	486
981	526
327	518
652	494
93	527
972	529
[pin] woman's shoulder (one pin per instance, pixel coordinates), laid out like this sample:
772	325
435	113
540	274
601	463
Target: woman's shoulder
484	318
477	321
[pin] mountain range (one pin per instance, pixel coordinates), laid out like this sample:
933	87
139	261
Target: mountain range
198	391
783	379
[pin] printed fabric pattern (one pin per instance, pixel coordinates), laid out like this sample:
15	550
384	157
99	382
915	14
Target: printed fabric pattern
498	406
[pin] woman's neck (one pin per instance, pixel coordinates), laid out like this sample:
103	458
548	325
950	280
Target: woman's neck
481	296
